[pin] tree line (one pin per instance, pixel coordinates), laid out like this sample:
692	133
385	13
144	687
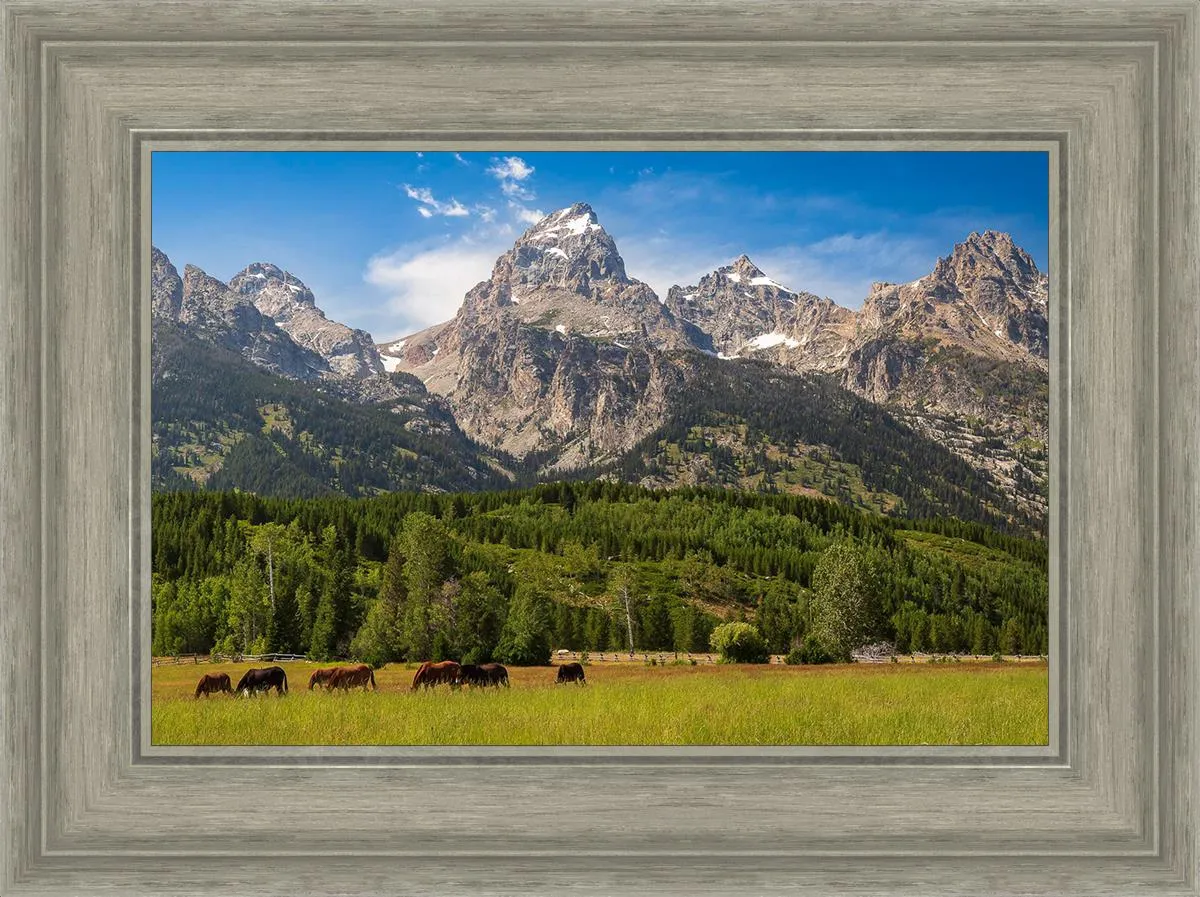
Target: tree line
587	566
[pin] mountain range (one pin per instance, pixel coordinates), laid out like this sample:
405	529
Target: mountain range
931	399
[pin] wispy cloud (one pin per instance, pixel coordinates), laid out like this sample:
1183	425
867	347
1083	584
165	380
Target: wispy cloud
426	286
430	206
512	172
524	214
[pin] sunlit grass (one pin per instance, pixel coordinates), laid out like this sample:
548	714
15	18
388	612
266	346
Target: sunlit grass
628	704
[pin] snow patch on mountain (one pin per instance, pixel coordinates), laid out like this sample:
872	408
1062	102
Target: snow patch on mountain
771	340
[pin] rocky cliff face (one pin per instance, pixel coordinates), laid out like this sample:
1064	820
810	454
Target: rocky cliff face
987	297
271	319
741	312
962	355
558	351
207	309
287	301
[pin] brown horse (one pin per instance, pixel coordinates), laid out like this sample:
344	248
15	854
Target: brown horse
432	674
349	677
321	677
571	672
263	680
211	682
471	674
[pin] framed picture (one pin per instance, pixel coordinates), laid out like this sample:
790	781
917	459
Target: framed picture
93	804
499	440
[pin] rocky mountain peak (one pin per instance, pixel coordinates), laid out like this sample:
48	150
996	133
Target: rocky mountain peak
744	271
568	248
270	318
991	254
265	278
201	288
288	301
166	287
986	296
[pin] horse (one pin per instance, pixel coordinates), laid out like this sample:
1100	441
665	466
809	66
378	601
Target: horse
497	674
473	674
263	680
211	682
320	677
571	672
349	677
432	674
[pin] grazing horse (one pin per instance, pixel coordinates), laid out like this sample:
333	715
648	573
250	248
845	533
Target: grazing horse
348	677
431	674
497	674
473	674
571	672
321	677
211	682
263	680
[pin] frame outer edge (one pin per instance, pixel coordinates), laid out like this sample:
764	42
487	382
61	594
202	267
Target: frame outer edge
1179	508
20	449
21	418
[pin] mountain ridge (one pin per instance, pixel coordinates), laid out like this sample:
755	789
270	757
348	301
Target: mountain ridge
562	358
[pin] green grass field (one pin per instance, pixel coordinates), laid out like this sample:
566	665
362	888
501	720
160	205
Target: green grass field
627	704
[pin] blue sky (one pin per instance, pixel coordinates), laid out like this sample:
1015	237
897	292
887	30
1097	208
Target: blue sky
390	241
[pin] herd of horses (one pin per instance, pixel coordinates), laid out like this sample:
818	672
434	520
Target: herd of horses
429	675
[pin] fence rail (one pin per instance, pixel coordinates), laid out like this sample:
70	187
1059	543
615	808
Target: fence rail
228	658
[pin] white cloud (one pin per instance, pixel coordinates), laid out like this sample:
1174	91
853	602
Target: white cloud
426	286
459	158
431	206
524	214
512	172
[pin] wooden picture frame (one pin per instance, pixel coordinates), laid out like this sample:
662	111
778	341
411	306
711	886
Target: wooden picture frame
87	805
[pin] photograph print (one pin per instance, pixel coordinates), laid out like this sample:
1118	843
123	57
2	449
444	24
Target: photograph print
600	448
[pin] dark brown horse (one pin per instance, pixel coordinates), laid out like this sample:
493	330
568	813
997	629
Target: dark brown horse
350	677
211	682
472	674
321	677
432	674
497	674
263	680
571	672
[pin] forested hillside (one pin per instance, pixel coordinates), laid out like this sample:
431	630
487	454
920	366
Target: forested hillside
510	575
750	425
223	423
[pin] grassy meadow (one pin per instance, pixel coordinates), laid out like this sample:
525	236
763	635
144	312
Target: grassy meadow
627	704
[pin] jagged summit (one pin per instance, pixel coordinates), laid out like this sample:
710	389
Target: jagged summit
575	220
568	249
744	271
991	254
258	277
270	317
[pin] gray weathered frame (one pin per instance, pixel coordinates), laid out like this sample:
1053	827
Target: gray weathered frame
87	806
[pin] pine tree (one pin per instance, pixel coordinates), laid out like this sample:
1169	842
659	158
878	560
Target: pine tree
424	542
380	639
332	626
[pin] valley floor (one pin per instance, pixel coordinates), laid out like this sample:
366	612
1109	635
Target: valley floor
627	703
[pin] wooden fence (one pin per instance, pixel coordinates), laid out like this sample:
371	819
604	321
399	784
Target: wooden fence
228	658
